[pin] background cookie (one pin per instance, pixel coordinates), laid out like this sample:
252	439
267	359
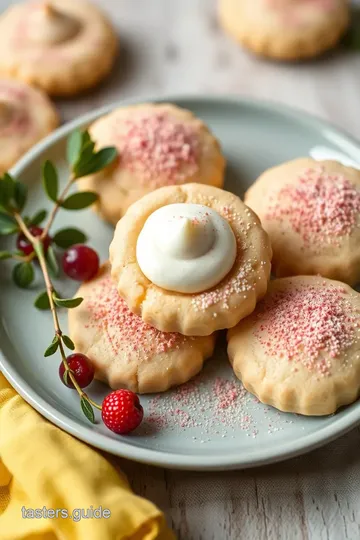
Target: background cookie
61	46
124	350
311	211
285	29
202	313
159	145
300	350
26	116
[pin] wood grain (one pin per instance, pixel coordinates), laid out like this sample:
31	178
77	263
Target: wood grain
176	47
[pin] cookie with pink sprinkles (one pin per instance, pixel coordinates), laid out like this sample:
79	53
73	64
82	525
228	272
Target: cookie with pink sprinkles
61	46
159	145
191	259
26	116
285	29
125	351
300	349
311	211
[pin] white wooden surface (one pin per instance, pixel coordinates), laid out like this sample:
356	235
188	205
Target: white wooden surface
176	46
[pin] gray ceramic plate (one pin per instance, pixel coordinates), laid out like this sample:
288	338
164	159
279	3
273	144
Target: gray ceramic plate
211	423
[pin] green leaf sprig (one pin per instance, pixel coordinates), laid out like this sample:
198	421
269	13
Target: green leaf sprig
82	160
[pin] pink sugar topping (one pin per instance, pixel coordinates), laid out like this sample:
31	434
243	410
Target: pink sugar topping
223	405
320	207
240	282
126	332
14	118
211	407
307	324
289	5
159	148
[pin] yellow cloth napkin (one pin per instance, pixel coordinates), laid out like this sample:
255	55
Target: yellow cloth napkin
42	466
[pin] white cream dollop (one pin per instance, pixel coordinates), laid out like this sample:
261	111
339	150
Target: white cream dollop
186	248
49	26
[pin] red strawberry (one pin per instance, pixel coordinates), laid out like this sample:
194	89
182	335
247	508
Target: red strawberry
121	411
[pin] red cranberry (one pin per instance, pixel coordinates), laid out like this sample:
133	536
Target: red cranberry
80	262
121	411
23	244
82	369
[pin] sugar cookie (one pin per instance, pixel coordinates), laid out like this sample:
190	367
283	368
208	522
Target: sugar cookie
311	211
300	350
26	116
124	350
61	46
185	248
159	145
285	29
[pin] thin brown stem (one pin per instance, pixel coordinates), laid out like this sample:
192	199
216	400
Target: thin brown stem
56	207
38	250
24	258
24	228
58	332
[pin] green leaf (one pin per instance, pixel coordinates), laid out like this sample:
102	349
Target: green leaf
80	200
20	195
42	301
86	139
68	342
23	274
351	38
50	180
99	161
7	189
52	263
66	377
5	255
38	217
87	409
87	153
68	237
67	302
53	347
74	145
8	225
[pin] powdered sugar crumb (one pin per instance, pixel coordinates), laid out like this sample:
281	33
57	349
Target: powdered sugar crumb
216	408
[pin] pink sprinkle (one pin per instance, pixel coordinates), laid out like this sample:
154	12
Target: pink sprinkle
307	324
240	281
217	409
159	148
321	207
124	330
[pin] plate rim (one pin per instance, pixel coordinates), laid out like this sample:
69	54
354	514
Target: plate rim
160	458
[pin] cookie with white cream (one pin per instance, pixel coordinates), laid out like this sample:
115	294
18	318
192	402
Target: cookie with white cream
191	259
61	46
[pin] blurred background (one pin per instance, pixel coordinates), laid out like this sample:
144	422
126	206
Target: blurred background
171	47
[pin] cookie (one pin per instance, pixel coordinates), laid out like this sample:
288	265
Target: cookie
125	351
285	29
61	46
300	350
26	116
311	211
191	259
159	145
